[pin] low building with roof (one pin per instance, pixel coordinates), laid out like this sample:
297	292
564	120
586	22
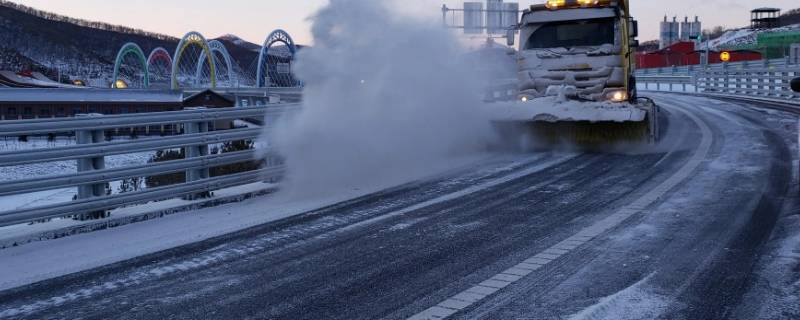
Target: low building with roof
22	104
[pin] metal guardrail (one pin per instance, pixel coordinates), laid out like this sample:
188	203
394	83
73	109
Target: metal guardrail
94	204
51	125
106	175
753	82
102	149
781	63
91	150
669	80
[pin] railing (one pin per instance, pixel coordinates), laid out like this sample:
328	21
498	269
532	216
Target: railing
781	63
91	151
685	82
752	82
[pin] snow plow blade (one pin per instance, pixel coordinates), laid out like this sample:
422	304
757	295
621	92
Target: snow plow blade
584	125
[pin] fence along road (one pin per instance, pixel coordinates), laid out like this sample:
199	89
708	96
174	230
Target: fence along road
91	150
770	83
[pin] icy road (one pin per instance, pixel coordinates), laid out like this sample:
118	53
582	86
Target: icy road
687	231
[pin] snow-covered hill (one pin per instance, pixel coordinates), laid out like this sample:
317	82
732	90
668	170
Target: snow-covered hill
742	37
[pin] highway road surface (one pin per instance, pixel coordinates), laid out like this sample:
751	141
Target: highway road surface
674	231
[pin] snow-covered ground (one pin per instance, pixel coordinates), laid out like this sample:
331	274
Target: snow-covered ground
777	290
9	144
15	202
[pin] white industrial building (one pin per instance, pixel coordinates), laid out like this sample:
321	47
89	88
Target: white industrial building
674	31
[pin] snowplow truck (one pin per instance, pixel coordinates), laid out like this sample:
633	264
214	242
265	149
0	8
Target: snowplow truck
575	76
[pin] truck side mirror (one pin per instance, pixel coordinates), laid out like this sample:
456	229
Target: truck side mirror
634	29
511	34
796	84
634	43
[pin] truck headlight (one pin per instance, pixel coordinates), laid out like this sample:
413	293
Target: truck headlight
554	4
617	96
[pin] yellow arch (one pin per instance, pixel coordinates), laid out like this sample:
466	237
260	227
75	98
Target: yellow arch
189	39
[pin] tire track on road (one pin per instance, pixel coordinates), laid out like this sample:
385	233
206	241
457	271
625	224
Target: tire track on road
474	295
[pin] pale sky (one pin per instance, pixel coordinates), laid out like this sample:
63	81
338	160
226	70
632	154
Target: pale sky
254	19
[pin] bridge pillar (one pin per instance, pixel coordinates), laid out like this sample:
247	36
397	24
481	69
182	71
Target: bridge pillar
91	164
192	175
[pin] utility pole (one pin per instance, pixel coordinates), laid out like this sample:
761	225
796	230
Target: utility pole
444	15
708	52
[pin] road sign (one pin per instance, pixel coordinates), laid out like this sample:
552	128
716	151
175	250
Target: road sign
725	56
473	18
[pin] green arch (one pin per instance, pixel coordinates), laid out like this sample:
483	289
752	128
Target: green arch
129	48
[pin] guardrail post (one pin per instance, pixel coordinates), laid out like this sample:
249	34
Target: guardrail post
194	127
783	84
737	84
712	81
750	81
90	164
727	80
771	84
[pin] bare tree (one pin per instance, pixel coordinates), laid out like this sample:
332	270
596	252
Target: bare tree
713	33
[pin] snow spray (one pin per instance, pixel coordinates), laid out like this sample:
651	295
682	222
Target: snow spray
386	97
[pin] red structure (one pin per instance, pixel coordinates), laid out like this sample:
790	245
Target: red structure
684	54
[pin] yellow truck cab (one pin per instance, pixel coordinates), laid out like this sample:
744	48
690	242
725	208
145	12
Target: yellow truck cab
581	47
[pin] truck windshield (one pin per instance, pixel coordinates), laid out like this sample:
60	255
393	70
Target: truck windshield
568	34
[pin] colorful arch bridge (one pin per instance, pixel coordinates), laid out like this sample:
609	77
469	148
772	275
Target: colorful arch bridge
205	59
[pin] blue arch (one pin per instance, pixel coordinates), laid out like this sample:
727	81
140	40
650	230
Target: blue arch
274	37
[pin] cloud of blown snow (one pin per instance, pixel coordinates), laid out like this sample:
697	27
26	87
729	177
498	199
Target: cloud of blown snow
386	97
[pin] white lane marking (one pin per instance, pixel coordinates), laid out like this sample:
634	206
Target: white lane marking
469	296
481	290
507	277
